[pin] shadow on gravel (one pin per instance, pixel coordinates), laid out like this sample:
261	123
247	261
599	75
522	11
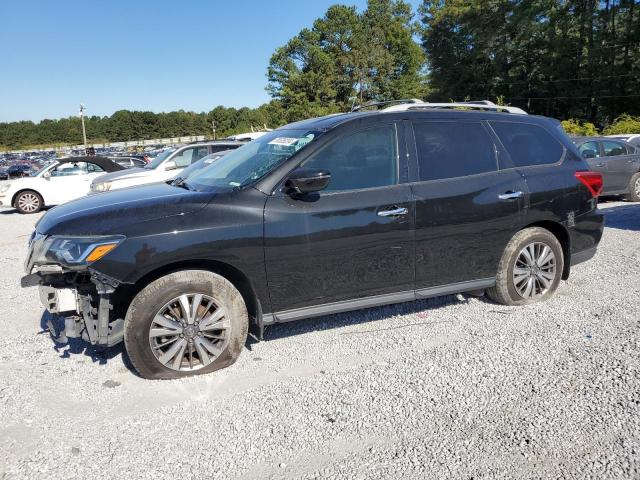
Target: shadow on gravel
424	307
76	346
12	211
624	217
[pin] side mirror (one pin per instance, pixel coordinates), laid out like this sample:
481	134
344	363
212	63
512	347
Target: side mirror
170	165
46	175
588	154
307	180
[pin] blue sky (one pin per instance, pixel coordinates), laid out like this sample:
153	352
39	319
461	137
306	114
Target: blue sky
153	55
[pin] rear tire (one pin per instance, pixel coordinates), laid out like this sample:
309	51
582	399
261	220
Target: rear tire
162	332
28	201
634	189
520	281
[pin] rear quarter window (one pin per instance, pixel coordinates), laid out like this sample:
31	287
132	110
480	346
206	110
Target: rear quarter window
528	144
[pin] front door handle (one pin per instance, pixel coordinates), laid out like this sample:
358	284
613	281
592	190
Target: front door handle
396	212
510	195
599	164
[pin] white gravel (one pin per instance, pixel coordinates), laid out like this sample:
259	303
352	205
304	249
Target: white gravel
455	387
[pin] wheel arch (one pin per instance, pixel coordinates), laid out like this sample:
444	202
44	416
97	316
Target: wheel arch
239	280
562	234
27	189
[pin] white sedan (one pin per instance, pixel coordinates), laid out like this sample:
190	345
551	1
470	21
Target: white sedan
60	182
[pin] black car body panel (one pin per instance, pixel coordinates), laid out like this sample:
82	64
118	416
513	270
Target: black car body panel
127	211
305	255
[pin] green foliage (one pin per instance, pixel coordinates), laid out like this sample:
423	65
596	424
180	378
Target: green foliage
560	58
623	124
579	128
126	125
346	54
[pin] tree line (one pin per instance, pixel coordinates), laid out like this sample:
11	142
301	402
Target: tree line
569	59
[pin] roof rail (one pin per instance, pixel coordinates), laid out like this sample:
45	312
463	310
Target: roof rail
479	105
355	108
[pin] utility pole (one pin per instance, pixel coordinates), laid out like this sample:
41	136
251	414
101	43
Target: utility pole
213	128
84	132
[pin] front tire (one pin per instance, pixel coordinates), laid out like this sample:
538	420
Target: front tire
634	189
28	201
185	323
530	269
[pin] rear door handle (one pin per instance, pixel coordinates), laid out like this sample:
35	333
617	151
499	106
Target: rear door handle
395	212
599	164
510	195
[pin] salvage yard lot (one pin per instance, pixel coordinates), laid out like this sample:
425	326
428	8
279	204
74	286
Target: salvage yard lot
451	387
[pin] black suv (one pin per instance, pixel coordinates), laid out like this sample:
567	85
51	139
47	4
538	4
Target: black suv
321	216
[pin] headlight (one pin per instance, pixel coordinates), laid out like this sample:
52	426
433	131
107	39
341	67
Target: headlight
4	187
75	251
101	187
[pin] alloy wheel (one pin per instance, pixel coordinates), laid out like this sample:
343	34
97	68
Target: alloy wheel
534	271
28	202
189	332
637	187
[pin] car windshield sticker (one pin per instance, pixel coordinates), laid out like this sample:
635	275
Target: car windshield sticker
284	141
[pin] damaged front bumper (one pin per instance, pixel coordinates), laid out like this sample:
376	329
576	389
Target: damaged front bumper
84	300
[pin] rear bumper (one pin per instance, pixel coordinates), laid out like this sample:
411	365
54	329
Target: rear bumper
585	235
583	256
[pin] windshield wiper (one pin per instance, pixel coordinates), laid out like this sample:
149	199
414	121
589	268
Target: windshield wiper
181	182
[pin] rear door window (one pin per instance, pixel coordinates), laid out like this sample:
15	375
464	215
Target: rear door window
528	144
613	149
453	149
589	150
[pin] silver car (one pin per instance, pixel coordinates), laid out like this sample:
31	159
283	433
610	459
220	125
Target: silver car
617	160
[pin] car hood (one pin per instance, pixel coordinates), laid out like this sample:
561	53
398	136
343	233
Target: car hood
24	182
125	174
114	212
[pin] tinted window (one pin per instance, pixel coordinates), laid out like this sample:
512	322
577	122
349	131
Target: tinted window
358	160
93	168
68	169
448	150
613	149
589	150
528	144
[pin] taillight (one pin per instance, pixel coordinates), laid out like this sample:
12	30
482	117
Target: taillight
592	180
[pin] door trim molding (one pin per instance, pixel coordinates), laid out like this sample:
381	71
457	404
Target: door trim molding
458	287
375	301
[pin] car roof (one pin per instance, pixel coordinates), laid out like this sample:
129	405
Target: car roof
597	138
331	121
215	142
105	163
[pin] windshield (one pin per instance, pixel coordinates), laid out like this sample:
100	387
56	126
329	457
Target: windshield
35	174
160	158
252	161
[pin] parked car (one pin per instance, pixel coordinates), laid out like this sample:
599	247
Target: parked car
245	137
618	162
321	216
632	138
203	162
129	162
19	170
164	167
54	184
4	175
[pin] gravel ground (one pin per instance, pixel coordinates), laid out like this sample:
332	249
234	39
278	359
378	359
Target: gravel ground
453	387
